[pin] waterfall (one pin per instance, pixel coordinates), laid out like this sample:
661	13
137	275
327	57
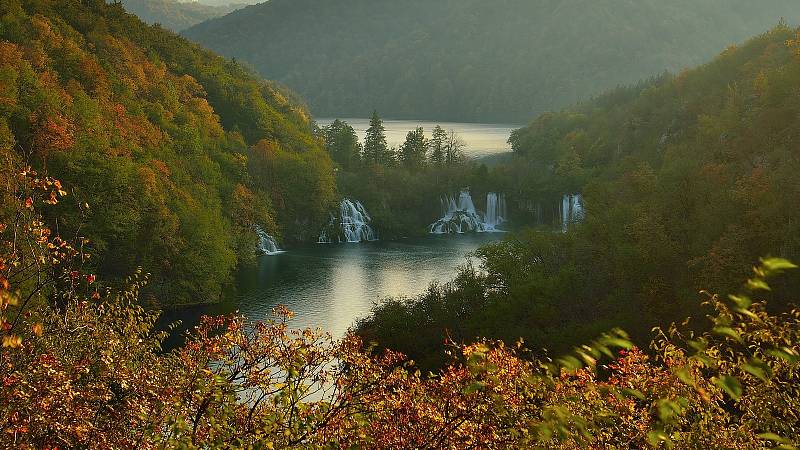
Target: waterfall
266	243
495	210
352	225
460	216
571	210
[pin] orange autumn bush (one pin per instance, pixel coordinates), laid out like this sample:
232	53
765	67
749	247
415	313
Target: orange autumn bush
83	367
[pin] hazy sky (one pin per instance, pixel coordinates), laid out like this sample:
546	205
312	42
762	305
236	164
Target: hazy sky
227	2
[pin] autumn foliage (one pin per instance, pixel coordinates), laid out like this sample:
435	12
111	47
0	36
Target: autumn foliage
155	133
83	366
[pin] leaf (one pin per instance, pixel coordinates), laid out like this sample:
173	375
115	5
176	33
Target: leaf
785	354
570	363
12	341
684	375
633	393
730	385
477	386
729	332
657	437
758	284
619	342
741	301
773	437
667	409
758	369
777	264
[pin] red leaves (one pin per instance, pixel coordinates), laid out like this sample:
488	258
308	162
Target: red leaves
53	133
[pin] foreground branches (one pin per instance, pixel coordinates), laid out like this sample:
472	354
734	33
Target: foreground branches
81	367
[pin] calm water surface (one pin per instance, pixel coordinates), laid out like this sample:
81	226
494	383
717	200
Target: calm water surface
481	139
332	286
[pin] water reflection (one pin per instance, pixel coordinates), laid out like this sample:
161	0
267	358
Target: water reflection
332	286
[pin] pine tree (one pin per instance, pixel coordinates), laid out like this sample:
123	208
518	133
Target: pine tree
437	145
413	150
342	143
375	148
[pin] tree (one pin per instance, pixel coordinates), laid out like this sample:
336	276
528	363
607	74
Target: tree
437	146
413	151
454	149
375	147
342	143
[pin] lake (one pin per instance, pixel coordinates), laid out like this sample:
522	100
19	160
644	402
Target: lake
481	139
332	286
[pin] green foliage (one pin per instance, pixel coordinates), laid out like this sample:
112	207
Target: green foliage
414	150
153	134
686	180
84	367
472	60
376	152
341	142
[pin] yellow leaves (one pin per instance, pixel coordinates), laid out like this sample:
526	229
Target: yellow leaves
37	329
12	341
794	44
7	298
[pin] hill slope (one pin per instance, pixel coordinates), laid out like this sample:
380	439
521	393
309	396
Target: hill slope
472	60
686	180
176	15
178	152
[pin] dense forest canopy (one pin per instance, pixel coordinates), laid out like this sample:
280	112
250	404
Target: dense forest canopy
173	154
473	60
686	180
169	158
178	15
84	367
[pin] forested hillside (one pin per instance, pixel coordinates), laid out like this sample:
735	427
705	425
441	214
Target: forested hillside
472	60
687	179
177	15
172	155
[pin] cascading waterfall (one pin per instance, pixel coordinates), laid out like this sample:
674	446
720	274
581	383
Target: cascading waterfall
266	243
496	212
352	225
571	210
460	216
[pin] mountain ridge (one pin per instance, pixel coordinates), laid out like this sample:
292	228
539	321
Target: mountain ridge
472	61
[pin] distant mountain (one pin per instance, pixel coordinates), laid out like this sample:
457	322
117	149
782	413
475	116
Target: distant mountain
176	15
473	60
227	2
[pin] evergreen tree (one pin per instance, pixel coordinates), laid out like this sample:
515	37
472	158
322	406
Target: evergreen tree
391	158
413	150
342	143
375	147
437	145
